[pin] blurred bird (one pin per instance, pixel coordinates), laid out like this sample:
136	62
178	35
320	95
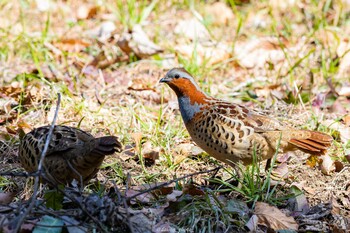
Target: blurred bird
232	132
72	153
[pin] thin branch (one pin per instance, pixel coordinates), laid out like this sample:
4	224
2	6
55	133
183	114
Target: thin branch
173	181
123	200
20	219
21	174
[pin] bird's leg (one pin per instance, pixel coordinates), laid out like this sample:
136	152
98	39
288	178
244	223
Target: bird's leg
268	165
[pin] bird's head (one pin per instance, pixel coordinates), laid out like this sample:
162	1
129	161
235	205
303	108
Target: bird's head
182	83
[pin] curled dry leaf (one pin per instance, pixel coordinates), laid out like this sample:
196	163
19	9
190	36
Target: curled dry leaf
257	52
103	31
192	29
86	11
346	120
173	196
284	157
219	13
187	149
252	224
11	91
341	128
298	203
281	171
209	54
6	109
164	190
273	218
138	42
72	45
192	190
137	138
347	157
338	166
150	153
327	165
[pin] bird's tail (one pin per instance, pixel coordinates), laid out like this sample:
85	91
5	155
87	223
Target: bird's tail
107	145
310	141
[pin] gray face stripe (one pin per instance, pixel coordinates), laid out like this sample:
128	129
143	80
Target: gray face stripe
187	110
183	74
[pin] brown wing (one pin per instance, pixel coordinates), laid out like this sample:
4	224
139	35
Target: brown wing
249	117
274	130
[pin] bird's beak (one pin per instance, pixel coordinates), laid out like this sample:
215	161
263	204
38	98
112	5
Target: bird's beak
164	80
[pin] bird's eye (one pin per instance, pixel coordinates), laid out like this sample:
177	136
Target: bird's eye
177	76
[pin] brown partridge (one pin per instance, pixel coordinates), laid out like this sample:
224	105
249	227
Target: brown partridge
72	153
233	133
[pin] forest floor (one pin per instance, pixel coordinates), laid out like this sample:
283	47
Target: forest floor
289	59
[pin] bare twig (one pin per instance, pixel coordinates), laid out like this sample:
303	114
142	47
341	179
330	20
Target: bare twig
20	219
173	181
21	174
123	200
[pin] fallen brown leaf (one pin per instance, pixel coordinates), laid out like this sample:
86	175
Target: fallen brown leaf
257	52
298	203
150	153
219	13
339	106
347	157
137	138
173	196
346	120
341	128
281	171
6	197
252	223
192	190
138	42
72	45
338	166
327	165
209	54
192	29
86	11
273	218
284	157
